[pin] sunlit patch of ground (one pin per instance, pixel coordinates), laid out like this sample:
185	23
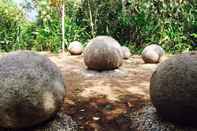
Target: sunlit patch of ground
100	101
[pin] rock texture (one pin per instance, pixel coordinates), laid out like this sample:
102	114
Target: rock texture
152	54
75	48
173	89
31	89
126	52
61	122
103	53
146	119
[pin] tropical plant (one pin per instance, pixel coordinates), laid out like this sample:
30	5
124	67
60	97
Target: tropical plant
12	23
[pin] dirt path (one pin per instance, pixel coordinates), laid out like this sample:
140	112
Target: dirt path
99	101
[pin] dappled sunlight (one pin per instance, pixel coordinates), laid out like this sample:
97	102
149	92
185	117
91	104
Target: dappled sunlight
101	89
151	67
96	99
106	55
48	102
107	95
132	78
139	89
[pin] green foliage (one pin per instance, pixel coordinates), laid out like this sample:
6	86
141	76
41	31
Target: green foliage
104	16
170	23
12	22
45	34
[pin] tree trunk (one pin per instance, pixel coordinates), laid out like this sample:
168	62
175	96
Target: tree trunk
63	29
91	20
124	6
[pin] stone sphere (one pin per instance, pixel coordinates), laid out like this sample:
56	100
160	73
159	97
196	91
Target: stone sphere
75	48
31	89
152	53
103	53
151	57
173	88
60	122
126	52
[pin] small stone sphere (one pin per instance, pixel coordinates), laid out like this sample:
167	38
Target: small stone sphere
31	89
75	48
103	53
152	53
150	57
173	88
126	52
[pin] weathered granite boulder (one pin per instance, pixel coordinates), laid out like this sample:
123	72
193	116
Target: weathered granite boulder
75	48
31	89
103	53
173	88
60	122
152	53
126	52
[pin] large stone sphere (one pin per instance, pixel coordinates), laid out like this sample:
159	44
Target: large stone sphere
126	52
75	48
60	122
31	89
173	88
103	53
152	53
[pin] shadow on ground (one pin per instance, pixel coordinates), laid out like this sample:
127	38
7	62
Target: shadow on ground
101	114
100	101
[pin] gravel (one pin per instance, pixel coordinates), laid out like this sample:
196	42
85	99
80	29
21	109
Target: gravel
147	120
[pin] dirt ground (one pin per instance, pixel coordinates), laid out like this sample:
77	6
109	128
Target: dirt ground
100	101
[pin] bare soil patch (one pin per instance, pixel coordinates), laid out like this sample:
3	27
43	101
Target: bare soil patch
100	101
108	100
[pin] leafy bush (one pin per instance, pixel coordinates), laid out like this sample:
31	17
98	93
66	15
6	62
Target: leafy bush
12	23
100	17
170	23
166	22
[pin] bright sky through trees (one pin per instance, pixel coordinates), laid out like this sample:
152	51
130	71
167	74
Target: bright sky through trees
28	8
